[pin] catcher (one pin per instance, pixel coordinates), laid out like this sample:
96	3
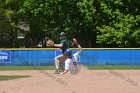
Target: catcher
64	45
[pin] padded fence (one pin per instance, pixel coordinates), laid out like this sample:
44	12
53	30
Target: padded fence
43	57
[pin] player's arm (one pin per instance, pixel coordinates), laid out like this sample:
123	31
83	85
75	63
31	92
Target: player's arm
65	71
70	43
76	55
67	66
78	45
79	48
51	43
58	45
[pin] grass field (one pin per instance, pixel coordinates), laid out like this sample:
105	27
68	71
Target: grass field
95	67
5	68
10	77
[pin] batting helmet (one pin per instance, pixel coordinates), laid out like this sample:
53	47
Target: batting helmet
68	54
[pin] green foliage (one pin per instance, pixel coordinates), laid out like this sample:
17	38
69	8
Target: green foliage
123	28
8	22
53	16
96	23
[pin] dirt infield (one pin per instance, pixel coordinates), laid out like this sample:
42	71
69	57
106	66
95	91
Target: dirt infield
87	81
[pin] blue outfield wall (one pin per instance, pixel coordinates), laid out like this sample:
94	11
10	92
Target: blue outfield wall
88	57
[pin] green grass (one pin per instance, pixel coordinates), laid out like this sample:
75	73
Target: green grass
4	68
95	67
9	77
115	67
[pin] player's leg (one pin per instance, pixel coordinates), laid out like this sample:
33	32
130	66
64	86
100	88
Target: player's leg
59	63
74	69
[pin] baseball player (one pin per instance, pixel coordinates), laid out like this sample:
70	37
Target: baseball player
64	45
71	62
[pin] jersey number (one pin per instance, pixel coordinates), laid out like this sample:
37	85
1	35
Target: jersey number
75	64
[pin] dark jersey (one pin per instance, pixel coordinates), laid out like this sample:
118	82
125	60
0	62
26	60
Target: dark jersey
70	43
65	45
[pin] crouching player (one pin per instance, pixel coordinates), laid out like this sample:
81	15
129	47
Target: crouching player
71	63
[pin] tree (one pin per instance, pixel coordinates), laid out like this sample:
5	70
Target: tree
96	23
54	16
121	28
9	22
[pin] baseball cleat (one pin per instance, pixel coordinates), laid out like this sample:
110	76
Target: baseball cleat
57	71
